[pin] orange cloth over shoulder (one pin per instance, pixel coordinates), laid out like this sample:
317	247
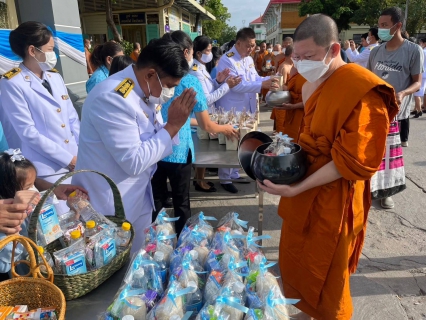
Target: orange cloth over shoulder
134	56
324	228
293	119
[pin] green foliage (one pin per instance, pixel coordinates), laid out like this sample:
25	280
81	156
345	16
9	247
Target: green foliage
228	33
127	47
416	16
369	10
219	29
365	12
340	10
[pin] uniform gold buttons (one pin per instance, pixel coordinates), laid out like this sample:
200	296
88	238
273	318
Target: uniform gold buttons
58	110
63	125
67	141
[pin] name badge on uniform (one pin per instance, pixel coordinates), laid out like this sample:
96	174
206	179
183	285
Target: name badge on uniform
238	64
158	109
251	66
65	97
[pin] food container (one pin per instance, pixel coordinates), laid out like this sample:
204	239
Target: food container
202	135
222	138
244	131
231	145
277	98
285	169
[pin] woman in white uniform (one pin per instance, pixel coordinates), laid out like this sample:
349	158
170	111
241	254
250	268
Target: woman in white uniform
123	135
214	89
35	102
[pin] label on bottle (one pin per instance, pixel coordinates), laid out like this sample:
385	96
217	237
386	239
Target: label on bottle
163	275
194	307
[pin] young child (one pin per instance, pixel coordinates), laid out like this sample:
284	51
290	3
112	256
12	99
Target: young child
17	176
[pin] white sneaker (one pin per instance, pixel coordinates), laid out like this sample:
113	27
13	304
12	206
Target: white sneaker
404	144
387	203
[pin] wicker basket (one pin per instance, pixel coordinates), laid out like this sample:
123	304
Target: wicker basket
76	286
36	290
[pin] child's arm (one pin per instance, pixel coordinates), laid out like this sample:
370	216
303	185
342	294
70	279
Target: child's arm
6	255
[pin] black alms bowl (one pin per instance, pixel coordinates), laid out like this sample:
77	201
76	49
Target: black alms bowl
286	169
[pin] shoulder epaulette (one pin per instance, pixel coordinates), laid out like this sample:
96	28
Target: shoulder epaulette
230	54
53	70
11	73
195	67
125	87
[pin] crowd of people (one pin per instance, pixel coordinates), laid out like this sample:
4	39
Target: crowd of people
136	128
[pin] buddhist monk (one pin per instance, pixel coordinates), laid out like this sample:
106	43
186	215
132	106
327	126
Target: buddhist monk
344	136
278	113
279	57
294	112
258	58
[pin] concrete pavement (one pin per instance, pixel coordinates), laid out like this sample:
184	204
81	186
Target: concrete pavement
390	283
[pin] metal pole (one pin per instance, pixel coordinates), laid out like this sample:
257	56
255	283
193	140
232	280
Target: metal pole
406	15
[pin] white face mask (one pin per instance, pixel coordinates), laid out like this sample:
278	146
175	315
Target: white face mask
89	46
313	70
166	94
206	58
275	53
258	50
368	40
50	61
270	50
284	50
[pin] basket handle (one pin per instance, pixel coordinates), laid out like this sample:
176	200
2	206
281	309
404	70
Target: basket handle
118	203
29	246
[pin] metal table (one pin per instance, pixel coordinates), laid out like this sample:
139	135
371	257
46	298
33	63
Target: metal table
210	154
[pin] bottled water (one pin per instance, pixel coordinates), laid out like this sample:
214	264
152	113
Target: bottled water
159	258
194	300
91	229
123	236
48	258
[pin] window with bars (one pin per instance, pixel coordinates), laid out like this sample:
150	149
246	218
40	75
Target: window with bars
4	17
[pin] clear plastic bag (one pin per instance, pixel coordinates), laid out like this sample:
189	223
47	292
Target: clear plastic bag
172	303
231	222
72	260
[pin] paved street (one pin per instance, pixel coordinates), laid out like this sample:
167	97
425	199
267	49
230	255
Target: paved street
391	279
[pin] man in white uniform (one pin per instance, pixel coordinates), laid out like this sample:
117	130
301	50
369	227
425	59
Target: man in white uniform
362	58
243	95
123	135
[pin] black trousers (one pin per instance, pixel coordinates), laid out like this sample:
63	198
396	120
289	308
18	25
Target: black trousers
404	129
179	175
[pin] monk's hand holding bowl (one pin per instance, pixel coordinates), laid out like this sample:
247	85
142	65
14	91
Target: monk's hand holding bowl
278	189
286	106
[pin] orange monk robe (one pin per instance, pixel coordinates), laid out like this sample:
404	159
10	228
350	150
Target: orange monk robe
259	61
293	119
324	228
290	122
134	56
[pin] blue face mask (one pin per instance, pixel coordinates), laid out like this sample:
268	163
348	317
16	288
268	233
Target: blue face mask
385	35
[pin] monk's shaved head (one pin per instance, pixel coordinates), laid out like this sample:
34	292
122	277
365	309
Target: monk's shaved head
320	27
